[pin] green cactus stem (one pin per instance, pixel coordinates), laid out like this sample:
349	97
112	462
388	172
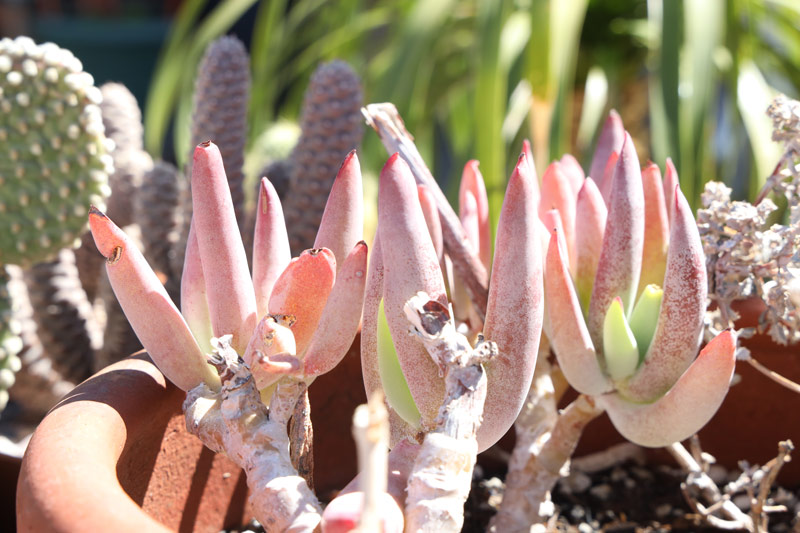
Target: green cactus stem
10	340
56	155
331	127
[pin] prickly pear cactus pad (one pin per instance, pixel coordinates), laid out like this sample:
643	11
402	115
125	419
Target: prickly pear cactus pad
10	340
54	159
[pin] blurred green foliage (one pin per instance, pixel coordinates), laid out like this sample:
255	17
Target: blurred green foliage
472	78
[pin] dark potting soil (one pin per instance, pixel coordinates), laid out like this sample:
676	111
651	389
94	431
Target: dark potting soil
628	498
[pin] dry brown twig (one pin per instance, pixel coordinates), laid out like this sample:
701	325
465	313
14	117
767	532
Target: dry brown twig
755	481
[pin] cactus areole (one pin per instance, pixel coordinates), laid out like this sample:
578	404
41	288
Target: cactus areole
56	159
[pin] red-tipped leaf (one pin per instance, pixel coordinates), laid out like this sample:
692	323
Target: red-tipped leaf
656	228
590	226
472	181
610	140
271	252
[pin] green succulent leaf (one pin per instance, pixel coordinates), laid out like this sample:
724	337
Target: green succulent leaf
644	317
619	343
394	382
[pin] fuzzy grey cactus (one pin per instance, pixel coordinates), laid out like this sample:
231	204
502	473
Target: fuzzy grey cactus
64	317
221	96
57	161
157	210
332	126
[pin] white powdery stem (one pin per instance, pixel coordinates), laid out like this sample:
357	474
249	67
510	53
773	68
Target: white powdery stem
371	433
547	460
257	441
442	475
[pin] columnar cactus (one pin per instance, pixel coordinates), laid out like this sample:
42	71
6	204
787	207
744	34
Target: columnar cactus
331	127
57	156
617	334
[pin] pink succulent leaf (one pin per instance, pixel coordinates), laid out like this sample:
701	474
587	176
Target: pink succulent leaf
670	184
472	181
302	291
610	140
342	224
685	408
342	515
526	149
515	307
656	228
680	322
552	223
373	294
573	172
231	298
590	226
194	303
155	319
621	256
468	213
431	213
271	252
266	353
410	265
341	317
608	177
568	333
557	193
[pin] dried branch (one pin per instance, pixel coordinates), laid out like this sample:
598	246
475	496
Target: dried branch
386	121
774	376
442	475
236	422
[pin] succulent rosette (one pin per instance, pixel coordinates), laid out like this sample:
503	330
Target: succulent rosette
406	259
625	285
290	317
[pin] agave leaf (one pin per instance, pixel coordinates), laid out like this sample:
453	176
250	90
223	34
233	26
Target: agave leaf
610	140
590	225
656	228
155	319
687	407
472	181
341	317
621	255
271	252
680	323
231	298
514	310
410	265
302	291
568	332
342	224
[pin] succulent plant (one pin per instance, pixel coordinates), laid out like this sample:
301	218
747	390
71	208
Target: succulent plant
617	335
404	261
219	297
331	126
57	155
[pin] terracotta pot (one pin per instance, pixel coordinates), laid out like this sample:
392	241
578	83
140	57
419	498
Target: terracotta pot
114	455
757	412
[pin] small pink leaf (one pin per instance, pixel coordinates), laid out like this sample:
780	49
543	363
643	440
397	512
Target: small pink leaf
656	229
608	177
194	303
610	140
590	226
680	322
514	310
573	172
410	265
670	183
271	352
271	252
472	182
341	317
155	319
526	149
621	256
231	298
302	291
557	193
431	213
568	333
687	407
342	224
